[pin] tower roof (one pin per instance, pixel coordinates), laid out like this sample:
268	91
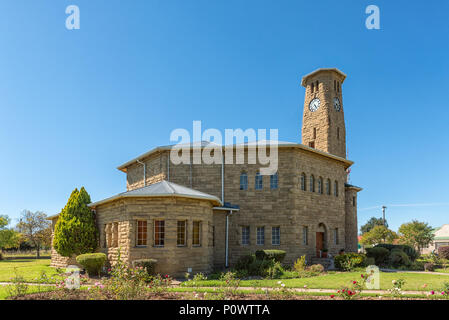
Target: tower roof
303	82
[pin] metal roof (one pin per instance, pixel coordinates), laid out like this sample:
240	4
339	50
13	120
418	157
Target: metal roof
280	144
161	189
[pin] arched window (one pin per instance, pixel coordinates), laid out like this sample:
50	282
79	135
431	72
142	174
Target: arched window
338	86
328	187
312	183
258	182
317	86
274	179
243	181
312	87
320	185
336	188
303	182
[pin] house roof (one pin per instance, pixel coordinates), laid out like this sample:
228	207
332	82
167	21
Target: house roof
202	144
161	189
350	186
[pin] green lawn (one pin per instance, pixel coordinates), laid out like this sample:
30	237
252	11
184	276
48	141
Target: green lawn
30	269
444	270
4	293
414	281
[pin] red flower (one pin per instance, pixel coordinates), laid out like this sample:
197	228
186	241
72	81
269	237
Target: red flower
332	296
338	291
362	276
354	282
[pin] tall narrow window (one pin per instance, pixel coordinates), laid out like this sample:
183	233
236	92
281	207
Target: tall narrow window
258	184
260	236
115	235
303	181
159	233
338	133
305	235
312	87
314	133
196	241
213	236
181	233
243	181
317	86
105	235
109	235
312	184
338	86
336	188
142	233
336	241
328	187
276	236
274	181
335	85
320	185
353	201
245	235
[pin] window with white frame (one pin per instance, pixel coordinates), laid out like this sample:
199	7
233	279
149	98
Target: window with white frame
305	235
260	236
243	181
276	236
258	183
274	179
245	235
336	240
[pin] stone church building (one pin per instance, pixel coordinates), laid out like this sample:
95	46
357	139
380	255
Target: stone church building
199	217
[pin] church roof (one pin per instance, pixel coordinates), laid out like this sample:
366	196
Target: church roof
161	189
303	82
202	144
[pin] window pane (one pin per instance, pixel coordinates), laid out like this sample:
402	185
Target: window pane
274	181
245	235
305	235
159	233
141	233
243	181
260	236
196	233
276	236
181	233
258	182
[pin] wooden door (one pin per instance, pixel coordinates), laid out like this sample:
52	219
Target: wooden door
319	243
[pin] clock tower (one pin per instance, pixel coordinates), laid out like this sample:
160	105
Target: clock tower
323	125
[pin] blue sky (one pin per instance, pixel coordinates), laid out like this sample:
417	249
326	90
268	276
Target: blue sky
75	104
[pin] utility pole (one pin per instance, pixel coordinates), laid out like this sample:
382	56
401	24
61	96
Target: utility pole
383	214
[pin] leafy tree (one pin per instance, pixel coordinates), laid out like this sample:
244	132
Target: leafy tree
9	238
76	231
32	226
372	223
416	234
378	234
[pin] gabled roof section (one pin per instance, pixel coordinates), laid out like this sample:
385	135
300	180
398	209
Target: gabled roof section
161	189
202	144
303	82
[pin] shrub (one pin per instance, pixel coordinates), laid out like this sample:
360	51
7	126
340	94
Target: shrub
370	261
148	264
398	258
443	252
244	262
300	264
92	262
1	256
410	251
316	268
277	255
429	266
417	266
275	271
379	254
349	261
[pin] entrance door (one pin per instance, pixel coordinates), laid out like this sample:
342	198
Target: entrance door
319	243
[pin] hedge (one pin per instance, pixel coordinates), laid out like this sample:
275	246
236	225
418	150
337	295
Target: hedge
348	261
277	255
379	254
410	251
92	262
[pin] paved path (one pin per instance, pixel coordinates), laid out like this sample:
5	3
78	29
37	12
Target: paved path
419	272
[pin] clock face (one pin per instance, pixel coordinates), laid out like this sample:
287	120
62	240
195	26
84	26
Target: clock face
314	104
337	104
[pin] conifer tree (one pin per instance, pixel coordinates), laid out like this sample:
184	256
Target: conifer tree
76	231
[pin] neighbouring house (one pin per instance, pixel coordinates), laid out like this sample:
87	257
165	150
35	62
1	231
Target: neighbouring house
196	217
441	239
